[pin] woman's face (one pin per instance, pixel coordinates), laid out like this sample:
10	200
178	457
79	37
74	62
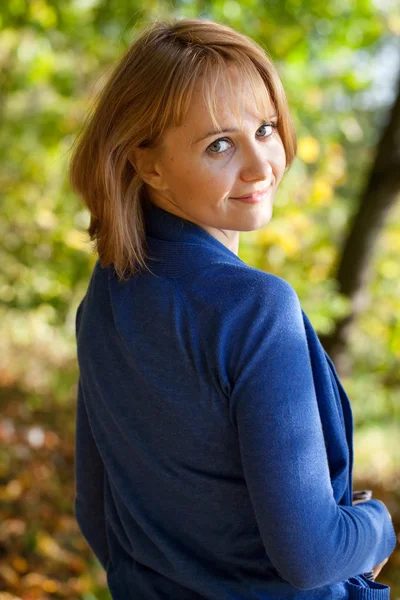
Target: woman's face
199	176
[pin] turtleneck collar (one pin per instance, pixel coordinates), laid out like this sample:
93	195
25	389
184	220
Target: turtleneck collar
164	225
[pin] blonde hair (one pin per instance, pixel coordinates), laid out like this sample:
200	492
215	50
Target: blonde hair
149	90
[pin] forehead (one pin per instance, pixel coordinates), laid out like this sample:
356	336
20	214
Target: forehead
223	101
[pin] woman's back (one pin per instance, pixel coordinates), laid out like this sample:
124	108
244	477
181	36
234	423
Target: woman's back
197	382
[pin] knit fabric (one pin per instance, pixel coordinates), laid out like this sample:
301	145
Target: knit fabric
214	440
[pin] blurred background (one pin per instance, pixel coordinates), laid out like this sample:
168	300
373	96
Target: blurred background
334	235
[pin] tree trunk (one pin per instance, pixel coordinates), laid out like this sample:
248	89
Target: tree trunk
379	195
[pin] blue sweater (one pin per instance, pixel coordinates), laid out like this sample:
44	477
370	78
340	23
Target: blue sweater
214	449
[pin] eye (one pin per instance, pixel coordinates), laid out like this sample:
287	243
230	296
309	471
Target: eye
227	140
273	125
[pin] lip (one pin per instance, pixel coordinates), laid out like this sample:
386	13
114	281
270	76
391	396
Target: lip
255	196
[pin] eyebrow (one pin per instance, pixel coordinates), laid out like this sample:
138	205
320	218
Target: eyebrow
227	130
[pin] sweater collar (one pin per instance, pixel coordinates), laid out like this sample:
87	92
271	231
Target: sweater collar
164	225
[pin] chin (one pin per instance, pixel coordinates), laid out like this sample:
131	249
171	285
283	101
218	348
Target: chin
259	219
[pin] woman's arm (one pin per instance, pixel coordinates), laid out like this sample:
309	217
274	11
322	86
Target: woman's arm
311	540
89	477
89	481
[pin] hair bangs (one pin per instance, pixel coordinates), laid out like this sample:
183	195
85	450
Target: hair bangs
181	93
218	72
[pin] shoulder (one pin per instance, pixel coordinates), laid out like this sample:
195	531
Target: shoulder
246	315
234	300
236	287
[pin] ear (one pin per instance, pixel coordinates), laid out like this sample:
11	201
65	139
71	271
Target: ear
145	162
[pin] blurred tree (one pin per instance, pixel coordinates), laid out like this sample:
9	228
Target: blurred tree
382	191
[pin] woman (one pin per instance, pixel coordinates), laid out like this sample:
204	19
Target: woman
214	439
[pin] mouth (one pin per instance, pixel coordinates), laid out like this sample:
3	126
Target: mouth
256	197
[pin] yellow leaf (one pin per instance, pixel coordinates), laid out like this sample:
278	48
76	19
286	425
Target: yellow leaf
51	586
77	239
13	490
266	236
314	97
322	192
308	149
393	23
318	273
32	580
290	244
9	575
45	219
301	222
390	269
47	546
42	13
20	564
392	240
7	596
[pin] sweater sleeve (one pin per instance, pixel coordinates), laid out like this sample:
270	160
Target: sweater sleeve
89	482
310	539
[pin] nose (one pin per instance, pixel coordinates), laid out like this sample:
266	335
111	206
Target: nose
256	165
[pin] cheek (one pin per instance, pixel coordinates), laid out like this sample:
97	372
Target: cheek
187	180
218	178
196	177
280	153
204	174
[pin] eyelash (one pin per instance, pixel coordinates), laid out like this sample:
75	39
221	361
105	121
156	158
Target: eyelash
224	139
